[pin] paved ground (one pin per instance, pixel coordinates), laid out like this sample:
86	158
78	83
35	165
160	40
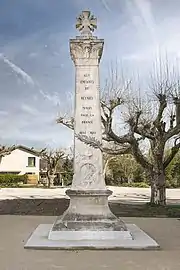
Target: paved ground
14	231
119	193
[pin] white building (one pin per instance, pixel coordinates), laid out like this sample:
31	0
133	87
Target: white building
22	160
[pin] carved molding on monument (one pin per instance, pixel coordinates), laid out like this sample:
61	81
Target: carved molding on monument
86	50
88	170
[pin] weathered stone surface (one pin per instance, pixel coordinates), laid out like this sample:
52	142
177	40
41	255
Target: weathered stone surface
88	163
91	239
88	217
88	209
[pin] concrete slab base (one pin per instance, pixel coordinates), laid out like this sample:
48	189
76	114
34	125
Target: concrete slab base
100	240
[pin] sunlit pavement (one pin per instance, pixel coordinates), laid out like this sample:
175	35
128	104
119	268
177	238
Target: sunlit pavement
15	230
122	194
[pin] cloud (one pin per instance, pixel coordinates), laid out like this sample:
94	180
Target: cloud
36	70
29	109
3	113
105	5
18	70
54	98
145	9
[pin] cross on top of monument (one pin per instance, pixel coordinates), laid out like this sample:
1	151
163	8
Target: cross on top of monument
86	23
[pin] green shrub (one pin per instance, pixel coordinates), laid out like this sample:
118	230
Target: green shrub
136	184
12	180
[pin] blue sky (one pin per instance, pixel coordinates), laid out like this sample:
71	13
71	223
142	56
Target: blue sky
36	71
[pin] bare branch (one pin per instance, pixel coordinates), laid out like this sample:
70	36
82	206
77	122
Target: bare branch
116	85
172	132
4	150
68	123
162	98
97	145
140	158
173	152
52	158
89	141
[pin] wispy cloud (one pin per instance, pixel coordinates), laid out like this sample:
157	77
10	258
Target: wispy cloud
3	113
29	109
26	78
105	5
145	9
54	98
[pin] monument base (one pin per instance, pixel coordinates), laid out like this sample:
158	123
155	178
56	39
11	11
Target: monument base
88	223
99	240
88	211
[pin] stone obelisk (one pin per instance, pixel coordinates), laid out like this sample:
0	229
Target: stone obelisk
88	222
88	209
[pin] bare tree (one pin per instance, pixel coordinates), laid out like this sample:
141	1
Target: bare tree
150	122
53	159
146	121
5	150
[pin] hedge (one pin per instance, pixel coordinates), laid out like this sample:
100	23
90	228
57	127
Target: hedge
12	180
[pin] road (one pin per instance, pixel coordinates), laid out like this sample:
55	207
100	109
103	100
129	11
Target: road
127	194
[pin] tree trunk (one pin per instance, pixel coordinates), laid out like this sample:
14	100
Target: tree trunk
158	188
154	191
50	179
162	188
62	181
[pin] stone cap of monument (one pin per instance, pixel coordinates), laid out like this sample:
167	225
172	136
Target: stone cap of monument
86	23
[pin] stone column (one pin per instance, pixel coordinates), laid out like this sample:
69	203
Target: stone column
88	209
88	163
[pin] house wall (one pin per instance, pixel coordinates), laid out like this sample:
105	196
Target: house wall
17	161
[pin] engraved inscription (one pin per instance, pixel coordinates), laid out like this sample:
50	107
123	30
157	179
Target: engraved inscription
87	122
87	98
86	113
87	108
87	81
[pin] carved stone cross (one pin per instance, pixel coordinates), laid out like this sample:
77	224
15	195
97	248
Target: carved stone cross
86	23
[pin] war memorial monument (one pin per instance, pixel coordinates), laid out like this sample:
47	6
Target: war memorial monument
88	223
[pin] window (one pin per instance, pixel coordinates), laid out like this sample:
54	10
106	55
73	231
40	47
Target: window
31	161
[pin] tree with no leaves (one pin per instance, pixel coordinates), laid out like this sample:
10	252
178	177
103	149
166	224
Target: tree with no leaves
5	150
146	122
53	159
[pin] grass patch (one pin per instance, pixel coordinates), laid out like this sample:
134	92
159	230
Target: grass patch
56	207
145	210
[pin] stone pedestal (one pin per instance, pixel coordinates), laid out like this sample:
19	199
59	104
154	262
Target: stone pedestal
88	211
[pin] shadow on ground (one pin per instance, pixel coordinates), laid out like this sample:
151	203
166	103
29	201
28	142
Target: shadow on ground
55	207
